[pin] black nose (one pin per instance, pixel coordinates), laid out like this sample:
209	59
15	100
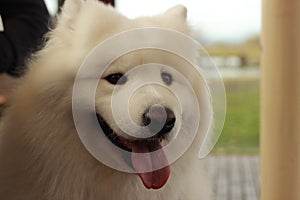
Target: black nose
160	119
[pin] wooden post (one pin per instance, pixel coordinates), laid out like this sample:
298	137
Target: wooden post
280	100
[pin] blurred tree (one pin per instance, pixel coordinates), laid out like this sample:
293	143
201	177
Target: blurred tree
248	51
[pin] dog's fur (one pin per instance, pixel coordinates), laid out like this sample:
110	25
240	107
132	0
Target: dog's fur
41	156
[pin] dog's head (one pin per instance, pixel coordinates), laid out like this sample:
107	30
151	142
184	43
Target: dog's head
143	107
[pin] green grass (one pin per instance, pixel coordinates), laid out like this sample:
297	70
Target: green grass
241	130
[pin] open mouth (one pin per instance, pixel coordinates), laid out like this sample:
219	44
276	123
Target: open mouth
155	178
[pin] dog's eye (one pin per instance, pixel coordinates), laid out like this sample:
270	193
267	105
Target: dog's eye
116	79
167	78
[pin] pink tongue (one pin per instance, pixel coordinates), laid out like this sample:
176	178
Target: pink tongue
144	159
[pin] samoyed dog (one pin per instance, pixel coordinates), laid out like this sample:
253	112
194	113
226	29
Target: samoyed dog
42	156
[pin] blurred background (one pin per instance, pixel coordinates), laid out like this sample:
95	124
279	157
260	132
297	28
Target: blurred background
229	30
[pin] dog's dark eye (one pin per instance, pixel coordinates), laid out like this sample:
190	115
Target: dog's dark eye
167	78
116	79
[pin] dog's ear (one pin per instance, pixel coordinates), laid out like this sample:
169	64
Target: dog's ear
177	12
71	7
69	11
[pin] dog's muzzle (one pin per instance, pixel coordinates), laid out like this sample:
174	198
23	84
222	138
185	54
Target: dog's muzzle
147	153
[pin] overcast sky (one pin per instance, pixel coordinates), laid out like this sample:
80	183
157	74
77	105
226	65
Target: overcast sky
215	20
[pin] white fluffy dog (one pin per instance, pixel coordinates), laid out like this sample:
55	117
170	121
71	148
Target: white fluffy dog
41	155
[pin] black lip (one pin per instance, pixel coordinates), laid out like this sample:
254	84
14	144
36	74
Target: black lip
110	134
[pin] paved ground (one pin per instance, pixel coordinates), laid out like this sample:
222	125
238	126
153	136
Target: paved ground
235	177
